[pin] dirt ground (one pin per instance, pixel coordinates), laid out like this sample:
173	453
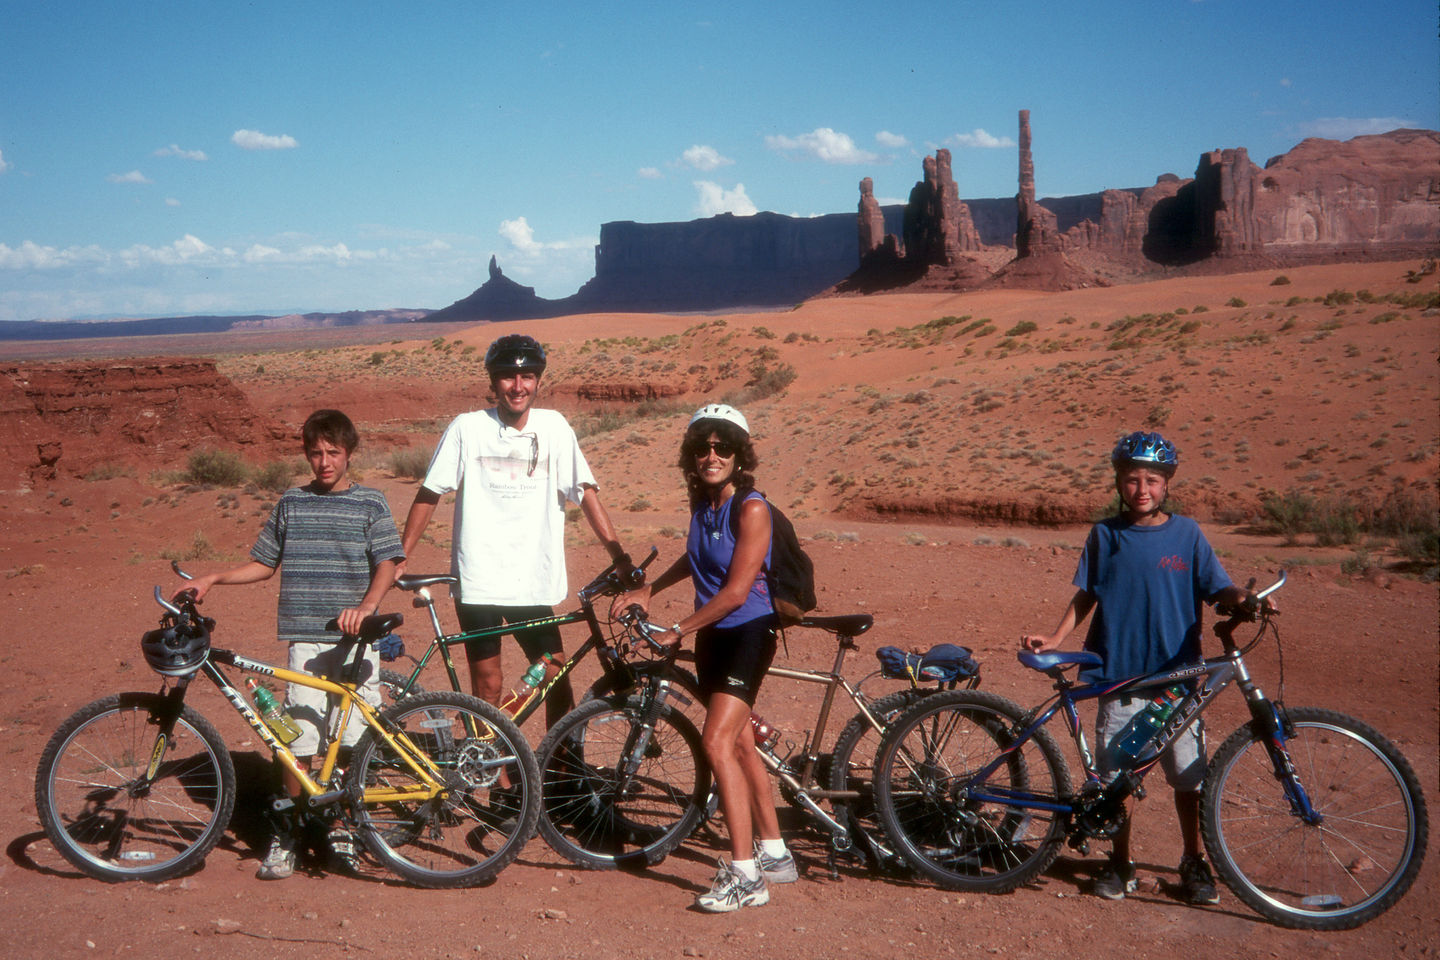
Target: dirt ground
80	559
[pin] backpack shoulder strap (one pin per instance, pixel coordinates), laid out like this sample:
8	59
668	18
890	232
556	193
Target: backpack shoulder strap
735	518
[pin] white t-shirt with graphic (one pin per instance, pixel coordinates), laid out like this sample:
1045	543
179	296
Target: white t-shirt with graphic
509	543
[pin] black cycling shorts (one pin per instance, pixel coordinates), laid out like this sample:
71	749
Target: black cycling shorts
733	660
482	616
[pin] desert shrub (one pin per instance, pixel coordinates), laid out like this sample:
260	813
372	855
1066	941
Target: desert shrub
1339	298
199	548
1287	514
377	358
1234	302
275	476
1022	328
219	468
109	471
411	462
638	505
1280	281
1334	522
764	382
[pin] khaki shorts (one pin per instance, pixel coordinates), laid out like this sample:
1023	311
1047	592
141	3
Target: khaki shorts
310	708
1184	762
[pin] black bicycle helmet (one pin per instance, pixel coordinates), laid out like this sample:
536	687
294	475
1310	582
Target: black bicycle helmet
1146	449
176	650
515	352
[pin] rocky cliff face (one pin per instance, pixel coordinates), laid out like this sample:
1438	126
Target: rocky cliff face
75	417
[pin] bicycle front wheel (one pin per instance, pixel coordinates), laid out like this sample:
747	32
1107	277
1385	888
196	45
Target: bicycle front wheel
1357	857
963	801
484	811
615	794
112	821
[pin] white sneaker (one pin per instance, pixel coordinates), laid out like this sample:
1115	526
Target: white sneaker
729	891
776	869
279	861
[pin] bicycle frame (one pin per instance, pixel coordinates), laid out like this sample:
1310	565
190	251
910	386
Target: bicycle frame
1206	681
432	781
442	641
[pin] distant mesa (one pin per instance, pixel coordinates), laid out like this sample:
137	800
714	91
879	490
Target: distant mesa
1372	197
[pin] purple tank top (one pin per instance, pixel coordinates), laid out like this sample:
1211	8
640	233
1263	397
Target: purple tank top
710	547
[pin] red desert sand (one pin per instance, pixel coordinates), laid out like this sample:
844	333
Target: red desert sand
942	456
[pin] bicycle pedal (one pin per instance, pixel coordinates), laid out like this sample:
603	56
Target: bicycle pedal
282	804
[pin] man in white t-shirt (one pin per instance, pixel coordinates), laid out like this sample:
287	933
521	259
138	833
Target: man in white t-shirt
514	468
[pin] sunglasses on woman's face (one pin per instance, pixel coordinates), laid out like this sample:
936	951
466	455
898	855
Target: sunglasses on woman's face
722	449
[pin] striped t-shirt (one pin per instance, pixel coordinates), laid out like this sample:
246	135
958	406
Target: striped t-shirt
326	546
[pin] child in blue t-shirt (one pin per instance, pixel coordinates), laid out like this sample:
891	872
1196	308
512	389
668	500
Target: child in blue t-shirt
1145	573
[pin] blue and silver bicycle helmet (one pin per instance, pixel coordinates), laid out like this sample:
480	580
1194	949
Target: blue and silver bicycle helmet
1146	449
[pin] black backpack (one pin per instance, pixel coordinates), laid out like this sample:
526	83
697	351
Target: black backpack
791	576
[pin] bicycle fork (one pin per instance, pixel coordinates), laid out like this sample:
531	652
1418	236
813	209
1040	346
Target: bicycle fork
1274	728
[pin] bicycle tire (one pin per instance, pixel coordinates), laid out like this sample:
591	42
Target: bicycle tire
852	767
926	794
477	827
1332	876
594	820
392	682
101	819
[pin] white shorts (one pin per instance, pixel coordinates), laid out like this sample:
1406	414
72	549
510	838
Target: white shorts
1184	762
310	708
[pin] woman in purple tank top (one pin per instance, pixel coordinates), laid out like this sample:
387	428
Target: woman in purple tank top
734	626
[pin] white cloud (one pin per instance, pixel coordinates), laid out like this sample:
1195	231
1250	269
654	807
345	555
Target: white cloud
187	249
3	165
980	139
702	157
32	256
1284	81
823	144
715	199
255	140
171	202
134	176
175	151
520	235
1343	128
650	173
892	140
259	253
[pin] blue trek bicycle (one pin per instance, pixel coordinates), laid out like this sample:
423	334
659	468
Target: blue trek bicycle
1311	817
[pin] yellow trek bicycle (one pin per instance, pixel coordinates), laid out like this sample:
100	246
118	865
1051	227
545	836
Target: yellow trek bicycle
140	786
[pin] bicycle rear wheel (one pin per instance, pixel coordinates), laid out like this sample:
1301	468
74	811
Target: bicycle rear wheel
604	806
102	813
965	803
1338	873
392	682
852	767
478	824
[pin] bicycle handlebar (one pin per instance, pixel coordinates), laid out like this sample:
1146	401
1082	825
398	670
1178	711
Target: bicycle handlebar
612	581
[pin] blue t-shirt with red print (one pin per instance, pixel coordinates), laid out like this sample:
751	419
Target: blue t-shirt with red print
1148	583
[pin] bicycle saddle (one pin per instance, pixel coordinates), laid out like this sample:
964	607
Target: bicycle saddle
851	625
374	626
1060	659
409	582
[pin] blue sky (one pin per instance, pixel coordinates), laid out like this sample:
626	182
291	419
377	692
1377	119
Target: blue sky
178	158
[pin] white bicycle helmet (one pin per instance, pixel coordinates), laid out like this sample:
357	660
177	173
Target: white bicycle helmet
721	411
